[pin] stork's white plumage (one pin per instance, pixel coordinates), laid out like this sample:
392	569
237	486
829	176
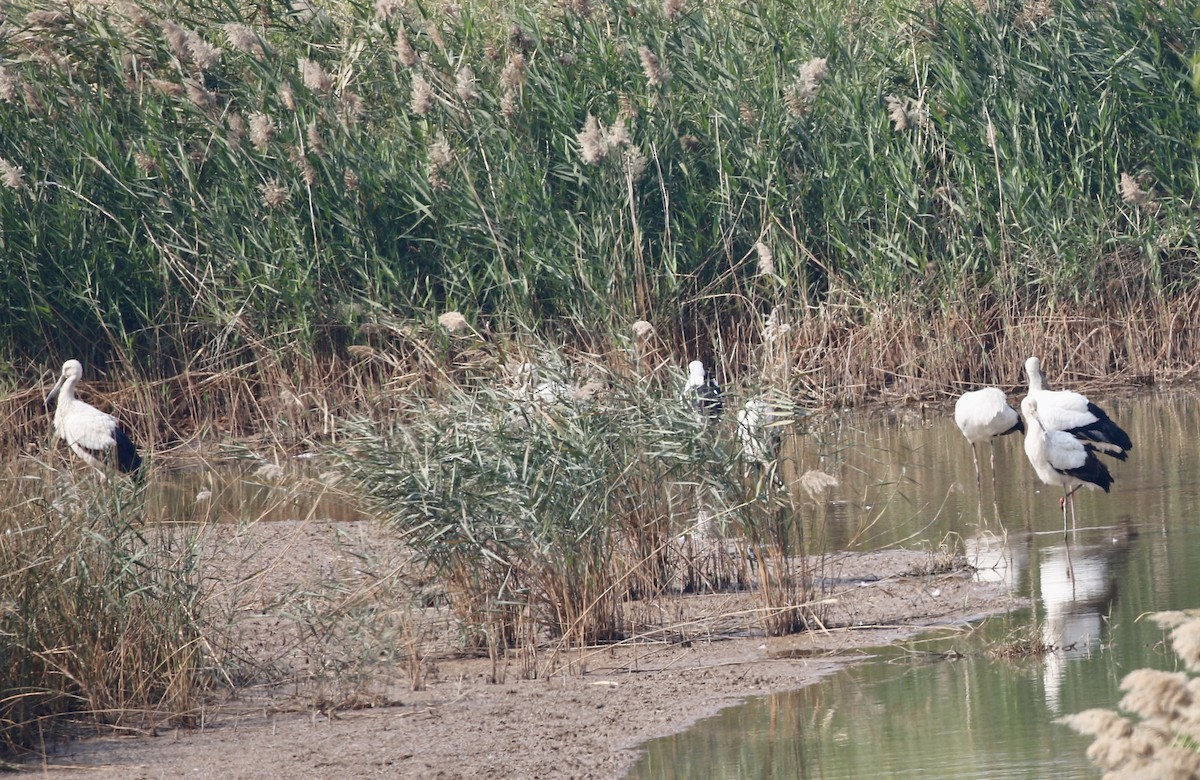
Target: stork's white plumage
93	435
1065	410
703	393
1060	458
757	432
983	416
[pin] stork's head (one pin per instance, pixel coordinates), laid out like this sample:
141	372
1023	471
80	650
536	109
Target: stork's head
72	370
1029	410
696	373
1033	369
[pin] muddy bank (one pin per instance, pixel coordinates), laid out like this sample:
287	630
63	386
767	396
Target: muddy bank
302	709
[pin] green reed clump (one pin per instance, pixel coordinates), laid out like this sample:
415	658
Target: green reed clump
1164	738
210	186
98	614
545	506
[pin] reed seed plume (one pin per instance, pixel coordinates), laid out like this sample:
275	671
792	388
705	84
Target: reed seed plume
435	34
274	195
308	174
10	85
991	134
593	146
168	88
1185	638
236	126
513	75
643	330
177	39
145	163
287	95
1155	694
656	73
315	77
817	483
243	38
12	176
351	180
634	163
203	54
464	85
510	105
440	159
351	108
262	131
774	328
312	135
1162	743
804	90
453	321
422	95
1132	192
405	51
766	260
597	142
898	113
673	9
201	98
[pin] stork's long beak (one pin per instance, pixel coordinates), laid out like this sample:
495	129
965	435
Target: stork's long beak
54	392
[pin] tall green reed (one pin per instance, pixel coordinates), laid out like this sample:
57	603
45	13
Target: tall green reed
199	195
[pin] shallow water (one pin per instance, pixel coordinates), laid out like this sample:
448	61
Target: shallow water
913	714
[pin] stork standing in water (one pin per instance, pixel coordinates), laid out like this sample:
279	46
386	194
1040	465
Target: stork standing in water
702	393
1073	413
93	435
1060	458
983	416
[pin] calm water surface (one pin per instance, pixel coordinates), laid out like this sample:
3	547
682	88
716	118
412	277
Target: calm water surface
908	480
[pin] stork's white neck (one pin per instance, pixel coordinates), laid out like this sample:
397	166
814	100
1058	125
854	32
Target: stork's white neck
1033	368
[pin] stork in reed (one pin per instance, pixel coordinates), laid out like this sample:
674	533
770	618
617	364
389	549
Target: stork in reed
758	432
983	416
1059	458
95	436
702	392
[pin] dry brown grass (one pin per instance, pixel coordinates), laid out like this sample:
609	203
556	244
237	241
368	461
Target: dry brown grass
838	355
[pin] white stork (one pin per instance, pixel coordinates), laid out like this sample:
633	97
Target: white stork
1064	410
983	416
92	434
703	393
1060	458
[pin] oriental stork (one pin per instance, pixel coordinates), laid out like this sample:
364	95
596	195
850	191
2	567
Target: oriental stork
702	393
757	431
983	416
95	436
1060	458
1064	410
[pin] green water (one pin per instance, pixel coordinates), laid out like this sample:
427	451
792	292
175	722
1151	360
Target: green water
909	480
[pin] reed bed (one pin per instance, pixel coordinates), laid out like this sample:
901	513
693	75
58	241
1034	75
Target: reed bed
99	613
191	191
550	507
